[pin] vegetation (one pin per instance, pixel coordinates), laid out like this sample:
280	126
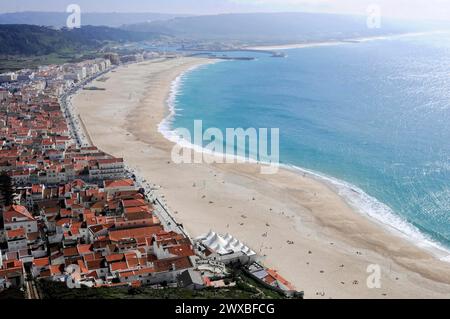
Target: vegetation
13	63
27	40
246	288
6	190
58	19
12	293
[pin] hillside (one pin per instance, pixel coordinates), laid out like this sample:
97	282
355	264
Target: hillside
270	27
58	19
37	40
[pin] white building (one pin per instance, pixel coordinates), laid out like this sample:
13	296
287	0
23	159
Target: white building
19	217
25	75
8	77
17	239
3	94
107	169
163	270
73	76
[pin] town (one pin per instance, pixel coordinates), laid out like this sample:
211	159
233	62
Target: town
71	213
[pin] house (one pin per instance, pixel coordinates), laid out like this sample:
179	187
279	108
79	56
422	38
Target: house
191	279
99	266
170	244
271	279
56	272
168	270
3	94
16	239
12	274
113	186
8	77
276	280
134	233
17	216
110	168
40	265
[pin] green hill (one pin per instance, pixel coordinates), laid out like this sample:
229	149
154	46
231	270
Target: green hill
27	40
58	19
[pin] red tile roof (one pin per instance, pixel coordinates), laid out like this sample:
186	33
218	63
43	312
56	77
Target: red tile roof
135	233
115	257
162	265
119	183
17	233
181	250
133	203
41	262
119	266
17	211
272	274
95	264
84	249
70	252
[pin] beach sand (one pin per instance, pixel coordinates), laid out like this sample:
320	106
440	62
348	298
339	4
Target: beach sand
299	225
314	44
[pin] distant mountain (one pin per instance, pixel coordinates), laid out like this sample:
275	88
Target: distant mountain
58	19
38	40
271	27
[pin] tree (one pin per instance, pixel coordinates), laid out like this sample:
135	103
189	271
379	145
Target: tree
6	190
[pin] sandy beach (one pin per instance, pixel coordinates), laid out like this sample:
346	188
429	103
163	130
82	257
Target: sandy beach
314	44
299	225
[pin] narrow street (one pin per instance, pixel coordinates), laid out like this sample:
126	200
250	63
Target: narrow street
31	290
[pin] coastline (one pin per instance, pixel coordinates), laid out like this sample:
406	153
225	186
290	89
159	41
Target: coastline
302	209
370	208
339	42
165	126
357	198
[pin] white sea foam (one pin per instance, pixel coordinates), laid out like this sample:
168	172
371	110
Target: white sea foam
379	212
165	127
353	195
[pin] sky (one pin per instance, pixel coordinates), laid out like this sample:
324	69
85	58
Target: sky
415	9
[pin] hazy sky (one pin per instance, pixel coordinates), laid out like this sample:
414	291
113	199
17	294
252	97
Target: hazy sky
435	9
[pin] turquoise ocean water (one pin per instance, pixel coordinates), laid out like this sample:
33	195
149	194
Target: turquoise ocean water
371	118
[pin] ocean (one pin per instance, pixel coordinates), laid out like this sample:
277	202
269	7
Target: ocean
369	118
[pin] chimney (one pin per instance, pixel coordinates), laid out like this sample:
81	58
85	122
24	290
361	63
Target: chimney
174	267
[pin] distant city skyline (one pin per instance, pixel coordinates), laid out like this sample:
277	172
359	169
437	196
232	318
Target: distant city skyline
415	9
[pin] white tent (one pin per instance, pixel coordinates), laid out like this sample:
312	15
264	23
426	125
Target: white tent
224	245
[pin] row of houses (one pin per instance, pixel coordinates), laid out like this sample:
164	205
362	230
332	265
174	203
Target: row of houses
108	233
74	207
77	72
36	147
